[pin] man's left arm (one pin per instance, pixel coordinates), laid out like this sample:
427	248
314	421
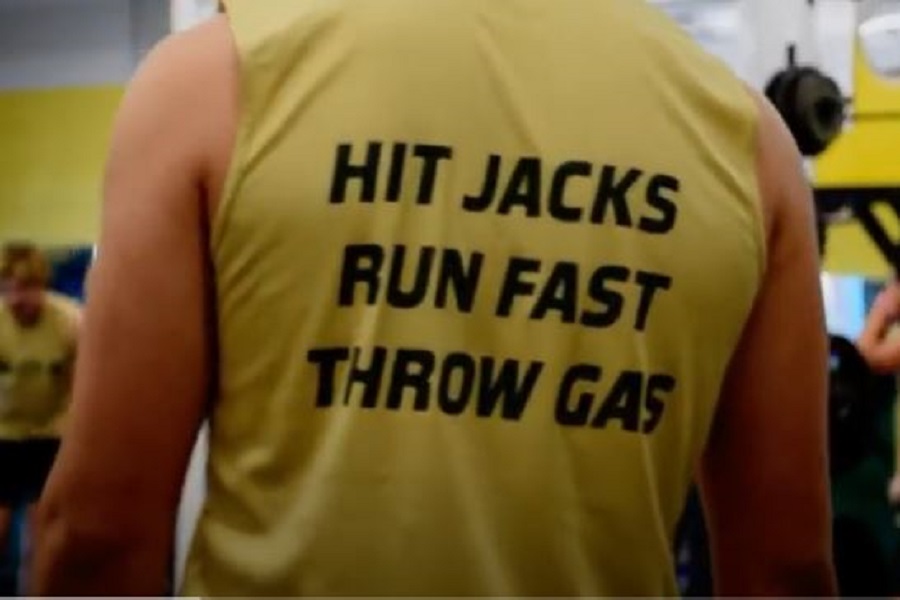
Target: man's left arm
108	514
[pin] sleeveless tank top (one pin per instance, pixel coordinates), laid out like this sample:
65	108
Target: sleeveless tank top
36	366
480	269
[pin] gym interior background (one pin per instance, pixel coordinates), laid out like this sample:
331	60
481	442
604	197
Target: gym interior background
64	65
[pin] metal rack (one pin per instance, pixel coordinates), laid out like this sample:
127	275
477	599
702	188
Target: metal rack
861	203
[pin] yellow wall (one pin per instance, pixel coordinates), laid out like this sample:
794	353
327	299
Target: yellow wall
867	154
53	146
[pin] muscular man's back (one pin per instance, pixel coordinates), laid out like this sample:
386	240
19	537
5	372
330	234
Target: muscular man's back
481	274
496	280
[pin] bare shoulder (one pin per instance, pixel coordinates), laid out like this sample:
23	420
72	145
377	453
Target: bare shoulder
195	56
784	190
183	98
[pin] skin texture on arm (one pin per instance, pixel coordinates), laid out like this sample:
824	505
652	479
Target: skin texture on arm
764	475
107	519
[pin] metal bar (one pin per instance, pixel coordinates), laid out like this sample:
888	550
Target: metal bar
890	250
876	116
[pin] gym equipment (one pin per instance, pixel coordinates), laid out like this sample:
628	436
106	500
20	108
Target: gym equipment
821	232
861	172
856	398
861	202
811	105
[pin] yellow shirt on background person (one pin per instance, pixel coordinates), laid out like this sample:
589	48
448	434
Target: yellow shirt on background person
36	370
480	269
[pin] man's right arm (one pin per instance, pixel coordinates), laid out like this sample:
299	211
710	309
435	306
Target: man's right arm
764	475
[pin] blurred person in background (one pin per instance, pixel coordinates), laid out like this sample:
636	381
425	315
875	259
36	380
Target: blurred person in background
38	337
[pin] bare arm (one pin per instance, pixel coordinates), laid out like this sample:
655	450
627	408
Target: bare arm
881	349
109	511
764	474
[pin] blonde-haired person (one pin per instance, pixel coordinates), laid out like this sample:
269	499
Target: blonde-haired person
38	332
